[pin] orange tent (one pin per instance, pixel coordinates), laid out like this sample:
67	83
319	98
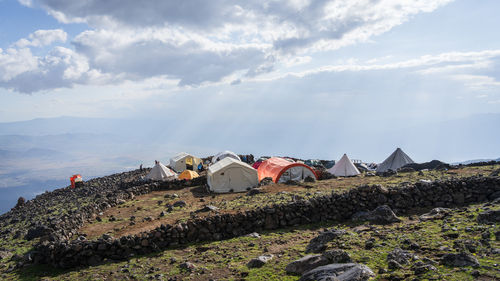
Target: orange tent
75	179
281	170
188	175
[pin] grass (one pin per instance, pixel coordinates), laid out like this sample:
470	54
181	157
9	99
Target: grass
226	260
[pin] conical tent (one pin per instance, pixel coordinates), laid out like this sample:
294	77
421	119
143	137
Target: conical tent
161	172
188	175
221	155
395	161
344	168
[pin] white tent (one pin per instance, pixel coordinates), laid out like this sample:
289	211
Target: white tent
221	155
179	162
161	172
344	168
229	175
395	161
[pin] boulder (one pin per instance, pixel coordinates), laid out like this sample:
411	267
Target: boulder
459	260
318	243
180	203
37	231
490	216
436	213
340	272
381	215
401	256
259	261
306	263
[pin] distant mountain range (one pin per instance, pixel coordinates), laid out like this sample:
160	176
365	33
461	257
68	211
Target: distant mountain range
475	161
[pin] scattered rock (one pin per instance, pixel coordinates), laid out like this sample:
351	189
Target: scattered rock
393	265
253	235
254	191
37	231
436	213
187	266
318	244
207	208
260	261
309	179
490	216
341	272
5	255
421	268
306	263
180	204
459	260
266	181
400	256
381	215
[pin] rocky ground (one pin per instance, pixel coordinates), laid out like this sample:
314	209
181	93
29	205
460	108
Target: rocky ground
434	244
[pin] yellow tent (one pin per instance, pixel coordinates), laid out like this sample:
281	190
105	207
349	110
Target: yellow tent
188	175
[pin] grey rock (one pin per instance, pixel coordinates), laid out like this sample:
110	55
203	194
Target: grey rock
490	216
337	256
401	256
381	215
187	266
259	261
306	263
421	268
180	204
340	272
459	260
436	213
318	243
37	231
207	208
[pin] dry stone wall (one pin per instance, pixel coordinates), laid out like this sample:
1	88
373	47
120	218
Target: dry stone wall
401	199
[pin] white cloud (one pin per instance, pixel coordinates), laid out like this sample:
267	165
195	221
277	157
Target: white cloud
42	38
197	42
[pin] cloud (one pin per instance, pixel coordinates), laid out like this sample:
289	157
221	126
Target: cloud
42	38
196	42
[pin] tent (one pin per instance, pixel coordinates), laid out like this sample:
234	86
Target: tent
344	168
161	172
183	161
282	170
221	155
230	174
188	175
395	161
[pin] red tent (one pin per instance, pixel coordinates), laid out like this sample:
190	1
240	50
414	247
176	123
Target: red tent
281	170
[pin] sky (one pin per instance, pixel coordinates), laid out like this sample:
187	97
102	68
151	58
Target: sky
303	72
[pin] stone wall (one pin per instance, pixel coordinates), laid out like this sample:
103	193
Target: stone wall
454	192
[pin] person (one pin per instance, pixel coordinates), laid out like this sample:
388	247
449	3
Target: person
140	167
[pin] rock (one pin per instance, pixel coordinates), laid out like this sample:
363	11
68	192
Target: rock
163	213
490	216
5	255
306	263
207	208
436	213
401	256
381	215
180	204
337	256
37	231
310	262
340	272
253	235
459	260
260	261
393	265
254	191
266	181
421	268
318	244
187	266
309	179
20	202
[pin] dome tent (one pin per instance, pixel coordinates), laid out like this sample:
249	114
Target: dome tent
282	170
221	155
230	174
188	175
344	168
395	161
182	161
161	172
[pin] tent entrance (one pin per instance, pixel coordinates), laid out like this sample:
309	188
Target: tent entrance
189	163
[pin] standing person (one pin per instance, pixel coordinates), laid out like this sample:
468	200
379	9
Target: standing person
140	167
